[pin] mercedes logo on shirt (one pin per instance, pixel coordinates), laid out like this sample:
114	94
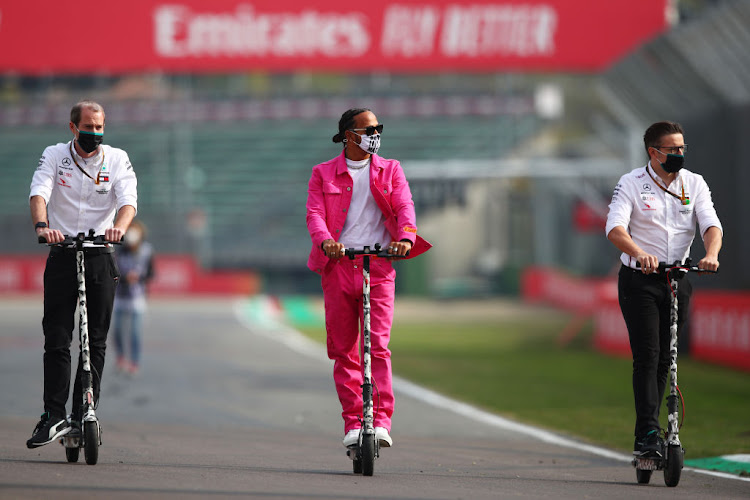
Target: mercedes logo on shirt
647	187
66	161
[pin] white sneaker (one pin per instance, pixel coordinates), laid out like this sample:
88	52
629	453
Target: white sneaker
381	434
351	438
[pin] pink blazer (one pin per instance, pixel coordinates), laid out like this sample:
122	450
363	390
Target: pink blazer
329	194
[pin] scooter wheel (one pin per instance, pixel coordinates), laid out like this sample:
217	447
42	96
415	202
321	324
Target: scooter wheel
91	442
643	476
673	467
72	454
368	454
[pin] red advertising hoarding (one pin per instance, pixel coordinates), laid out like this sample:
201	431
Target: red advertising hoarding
720	328
202	36
560	289
719	320
174	275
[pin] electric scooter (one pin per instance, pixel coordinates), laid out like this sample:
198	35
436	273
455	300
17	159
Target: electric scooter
367	449
89	436
670	457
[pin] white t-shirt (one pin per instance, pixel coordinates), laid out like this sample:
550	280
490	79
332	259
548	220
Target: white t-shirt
365	222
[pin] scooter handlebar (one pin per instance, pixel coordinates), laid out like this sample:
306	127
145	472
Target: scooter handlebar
69	241
374	251
687	267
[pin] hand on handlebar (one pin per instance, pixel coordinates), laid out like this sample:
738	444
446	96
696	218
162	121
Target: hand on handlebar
49	235
114	235
709	263
648	263
333	249
399	248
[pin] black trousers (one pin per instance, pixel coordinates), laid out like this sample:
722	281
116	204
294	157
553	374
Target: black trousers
645	304
60	301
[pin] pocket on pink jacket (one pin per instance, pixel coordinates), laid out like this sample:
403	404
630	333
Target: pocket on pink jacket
331	198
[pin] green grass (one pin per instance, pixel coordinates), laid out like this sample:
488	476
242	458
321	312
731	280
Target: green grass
516	368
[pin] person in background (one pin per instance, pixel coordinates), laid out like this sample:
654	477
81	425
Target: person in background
652	219
135	259
79	185
354	200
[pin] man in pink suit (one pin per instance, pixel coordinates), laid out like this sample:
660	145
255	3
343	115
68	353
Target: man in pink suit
354	200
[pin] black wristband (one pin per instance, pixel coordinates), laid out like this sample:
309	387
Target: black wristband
40	225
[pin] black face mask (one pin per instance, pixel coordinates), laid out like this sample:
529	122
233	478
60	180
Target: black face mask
89	141
673	164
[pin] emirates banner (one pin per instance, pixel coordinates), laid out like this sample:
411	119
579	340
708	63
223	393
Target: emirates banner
202	36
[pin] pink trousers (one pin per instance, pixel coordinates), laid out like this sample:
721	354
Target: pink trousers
342	293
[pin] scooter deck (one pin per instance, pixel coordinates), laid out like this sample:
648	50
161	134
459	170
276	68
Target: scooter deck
352	451
71	441
74	439
648	462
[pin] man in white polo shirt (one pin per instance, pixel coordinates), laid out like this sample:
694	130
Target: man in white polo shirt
652	219
78	185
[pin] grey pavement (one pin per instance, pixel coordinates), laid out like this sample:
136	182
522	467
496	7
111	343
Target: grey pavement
224	408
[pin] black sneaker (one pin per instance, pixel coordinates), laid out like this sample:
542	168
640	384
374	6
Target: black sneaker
650	444
75	429
47	430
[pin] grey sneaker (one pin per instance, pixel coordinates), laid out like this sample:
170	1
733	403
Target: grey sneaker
47	430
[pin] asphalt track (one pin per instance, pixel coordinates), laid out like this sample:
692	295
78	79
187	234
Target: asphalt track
225	408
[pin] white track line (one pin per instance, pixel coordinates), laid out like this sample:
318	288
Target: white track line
269	327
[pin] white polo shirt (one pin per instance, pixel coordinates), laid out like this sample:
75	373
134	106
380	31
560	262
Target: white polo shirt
75	202
660	223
